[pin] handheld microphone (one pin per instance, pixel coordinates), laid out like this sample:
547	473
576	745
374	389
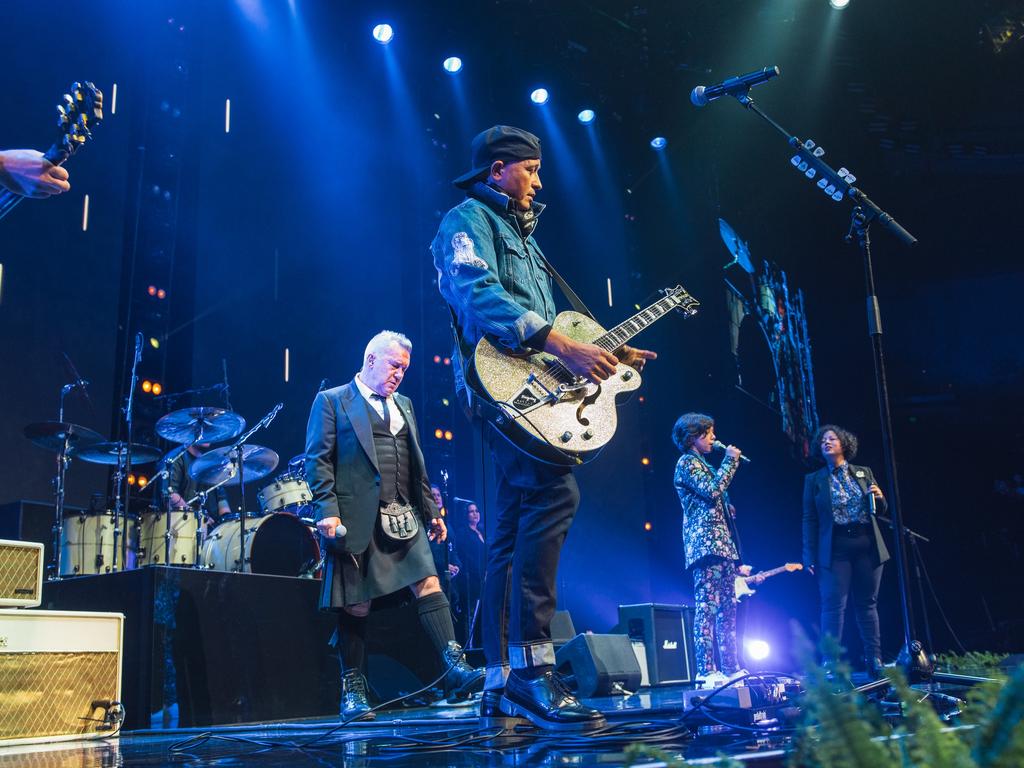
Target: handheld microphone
700	95
721	446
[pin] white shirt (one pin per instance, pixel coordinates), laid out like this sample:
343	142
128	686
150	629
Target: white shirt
397	420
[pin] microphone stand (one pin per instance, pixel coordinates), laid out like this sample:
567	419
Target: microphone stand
913	658
124	468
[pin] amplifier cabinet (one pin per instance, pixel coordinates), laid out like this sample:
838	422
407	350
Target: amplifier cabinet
662	637
60	675
21	574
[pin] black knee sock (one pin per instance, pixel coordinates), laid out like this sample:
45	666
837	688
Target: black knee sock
351	642
436	618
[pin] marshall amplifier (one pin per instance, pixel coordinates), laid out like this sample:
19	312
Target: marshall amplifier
21	574
60	675
662	638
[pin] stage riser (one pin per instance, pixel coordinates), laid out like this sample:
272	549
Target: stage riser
213	648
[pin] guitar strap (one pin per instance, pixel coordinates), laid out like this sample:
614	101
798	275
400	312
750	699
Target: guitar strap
570	294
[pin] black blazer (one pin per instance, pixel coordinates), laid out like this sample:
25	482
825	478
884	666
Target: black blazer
342	470
817	524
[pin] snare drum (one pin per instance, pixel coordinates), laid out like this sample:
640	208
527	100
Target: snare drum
87	544
278	545
184	524
288	493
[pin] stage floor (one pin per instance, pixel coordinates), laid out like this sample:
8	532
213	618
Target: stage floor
415	738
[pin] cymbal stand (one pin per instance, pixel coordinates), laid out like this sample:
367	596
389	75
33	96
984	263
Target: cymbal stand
239	452
166	503
124	465
63	459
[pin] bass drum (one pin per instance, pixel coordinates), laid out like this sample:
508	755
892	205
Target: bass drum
87	544
184	526
276	545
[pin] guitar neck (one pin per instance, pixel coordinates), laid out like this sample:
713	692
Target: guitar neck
629	328
772	572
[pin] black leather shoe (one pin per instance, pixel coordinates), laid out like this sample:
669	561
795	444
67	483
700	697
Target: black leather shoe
874	667
462	680
548	703
354	704
491	715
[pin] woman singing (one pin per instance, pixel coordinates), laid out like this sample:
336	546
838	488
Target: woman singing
711	545
842	545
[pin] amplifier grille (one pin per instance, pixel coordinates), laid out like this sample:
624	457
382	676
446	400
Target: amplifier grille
49	694
19	579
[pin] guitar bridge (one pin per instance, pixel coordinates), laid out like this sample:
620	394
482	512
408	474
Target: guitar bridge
534	379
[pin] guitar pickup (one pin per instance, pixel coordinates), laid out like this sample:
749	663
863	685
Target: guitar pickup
534	379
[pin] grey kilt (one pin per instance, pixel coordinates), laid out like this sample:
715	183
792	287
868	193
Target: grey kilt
385	567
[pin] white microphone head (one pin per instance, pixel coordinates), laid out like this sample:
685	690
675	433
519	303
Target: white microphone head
697	97
719	445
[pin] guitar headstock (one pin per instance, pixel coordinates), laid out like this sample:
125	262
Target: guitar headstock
790	567
77	113
681	300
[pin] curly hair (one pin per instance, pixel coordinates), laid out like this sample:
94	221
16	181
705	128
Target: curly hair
688	428
847	441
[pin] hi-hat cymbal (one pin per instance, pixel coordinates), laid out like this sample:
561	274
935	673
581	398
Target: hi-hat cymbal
51	434
217	466
111	453
739	249
201	424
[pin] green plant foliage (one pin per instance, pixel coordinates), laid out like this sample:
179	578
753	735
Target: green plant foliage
971	661
999	737
926	741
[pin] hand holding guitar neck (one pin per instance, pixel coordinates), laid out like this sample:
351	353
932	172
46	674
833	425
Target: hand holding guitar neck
730	450
589	360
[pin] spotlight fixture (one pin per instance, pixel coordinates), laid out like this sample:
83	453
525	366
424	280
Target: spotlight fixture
839	4
758	650
383	33
539	96
452	64
659	142
586	116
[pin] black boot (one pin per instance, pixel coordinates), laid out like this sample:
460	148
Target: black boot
874	667
462	680
491	715
354	704
548	703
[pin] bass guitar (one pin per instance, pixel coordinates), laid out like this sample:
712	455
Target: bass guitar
78	112
547	411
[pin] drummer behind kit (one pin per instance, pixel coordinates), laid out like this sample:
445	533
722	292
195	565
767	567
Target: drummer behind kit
280	540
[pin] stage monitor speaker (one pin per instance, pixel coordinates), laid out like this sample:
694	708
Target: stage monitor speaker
21	574
600	665
60	675
562	629
662	637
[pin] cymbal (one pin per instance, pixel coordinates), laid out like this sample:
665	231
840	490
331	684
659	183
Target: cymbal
215	466
109	453
50	435
739	249
201	424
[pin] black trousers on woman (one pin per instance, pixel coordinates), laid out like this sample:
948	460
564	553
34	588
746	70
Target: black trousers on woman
853	573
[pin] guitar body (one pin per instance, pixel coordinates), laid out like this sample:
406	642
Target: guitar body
544	413
743	589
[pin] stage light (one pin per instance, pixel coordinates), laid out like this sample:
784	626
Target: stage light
647	526
142	481
452	64
439	434
161	293
157	388
383	33
151	290
659	142
645	461
445	402
447	361
437	358
131	479
539	96
448	435
586	116
154	342
147	386
839	4
758	650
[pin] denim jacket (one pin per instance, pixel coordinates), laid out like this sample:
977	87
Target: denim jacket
494	280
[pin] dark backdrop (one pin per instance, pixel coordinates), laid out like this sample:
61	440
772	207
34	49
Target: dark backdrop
316	210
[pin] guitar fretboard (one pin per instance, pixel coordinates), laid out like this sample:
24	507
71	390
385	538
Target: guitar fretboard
630	327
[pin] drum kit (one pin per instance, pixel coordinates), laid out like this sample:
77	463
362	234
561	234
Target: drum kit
279	540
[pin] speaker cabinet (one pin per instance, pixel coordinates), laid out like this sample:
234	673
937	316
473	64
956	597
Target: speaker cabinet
21	574
662	636
562	629
60	675
601	665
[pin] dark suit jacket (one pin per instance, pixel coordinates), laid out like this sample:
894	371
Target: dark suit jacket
342	471
817	549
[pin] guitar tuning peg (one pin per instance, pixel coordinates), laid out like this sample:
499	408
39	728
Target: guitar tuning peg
808	144
819	151
838	196
822	183
830	190
810	173
795	160
803	166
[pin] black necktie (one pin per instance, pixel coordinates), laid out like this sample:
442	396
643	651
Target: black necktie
387	413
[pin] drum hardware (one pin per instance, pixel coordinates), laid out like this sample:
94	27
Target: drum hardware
224	463
65	439
738	248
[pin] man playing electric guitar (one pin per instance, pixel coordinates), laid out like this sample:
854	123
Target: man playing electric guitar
28	173
495	279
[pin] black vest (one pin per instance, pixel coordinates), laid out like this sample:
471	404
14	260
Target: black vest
393	457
